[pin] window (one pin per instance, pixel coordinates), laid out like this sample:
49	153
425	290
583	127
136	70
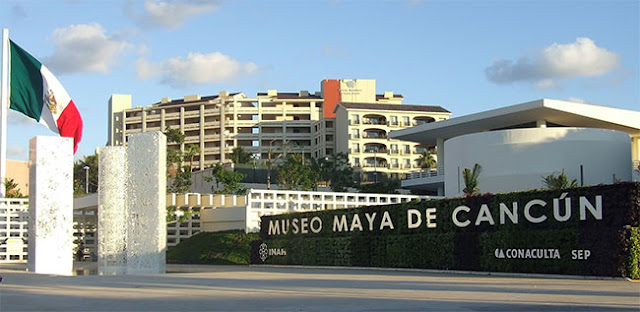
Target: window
355	133
356	162
407	149
255	143
255	130
355	119
328	124
406	121
355	148
394	120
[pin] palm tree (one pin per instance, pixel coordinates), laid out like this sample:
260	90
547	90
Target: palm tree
240	156
559	182
191	151
427	160
471	179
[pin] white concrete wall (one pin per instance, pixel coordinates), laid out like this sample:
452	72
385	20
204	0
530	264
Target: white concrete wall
146	203
517	159
50	205
113	216
222	219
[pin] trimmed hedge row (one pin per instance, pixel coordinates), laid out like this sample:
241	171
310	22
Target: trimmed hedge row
584	244
226	247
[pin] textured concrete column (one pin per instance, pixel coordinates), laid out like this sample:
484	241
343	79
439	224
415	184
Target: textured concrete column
146	203
112	211
50	205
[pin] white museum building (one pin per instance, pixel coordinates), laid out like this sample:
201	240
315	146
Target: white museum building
517	145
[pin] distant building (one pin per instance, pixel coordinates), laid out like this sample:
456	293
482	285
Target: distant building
518	145
313	124
19	171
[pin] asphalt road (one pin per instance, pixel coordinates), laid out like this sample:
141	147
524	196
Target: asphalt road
244	288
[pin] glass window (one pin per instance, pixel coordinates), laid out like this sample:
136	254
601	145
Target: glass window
355	119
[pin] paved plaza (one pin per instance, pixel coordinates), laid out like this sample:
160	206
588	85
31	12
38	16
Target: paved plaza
256	288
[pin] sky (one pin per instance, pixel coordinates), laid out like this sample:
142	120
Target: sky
466	56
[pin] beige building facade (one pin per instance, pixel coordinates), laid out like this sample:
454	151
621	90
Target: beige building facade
271	123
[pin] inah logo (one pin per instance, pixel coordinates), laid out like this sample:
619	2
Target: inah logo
264	252
499	254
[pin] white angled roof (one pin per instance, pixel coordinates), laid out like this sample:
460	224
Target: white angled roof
554	112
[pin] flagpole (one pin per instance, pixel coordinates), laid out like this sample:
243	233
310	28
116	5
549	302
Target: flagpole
4	108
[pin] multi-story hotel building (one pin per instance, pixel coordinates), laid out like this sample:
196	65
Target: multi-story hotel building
345	116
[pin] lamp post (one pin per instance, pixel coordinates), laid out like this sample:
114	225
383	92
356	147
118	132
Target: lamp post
86	179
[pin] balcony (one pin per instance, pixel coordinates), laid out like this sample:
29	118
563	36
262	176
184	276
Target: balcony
374	151
374	136
374	122
425	173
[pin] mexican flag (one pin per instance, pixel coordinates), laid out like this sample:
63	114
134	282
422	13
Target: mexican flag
37	93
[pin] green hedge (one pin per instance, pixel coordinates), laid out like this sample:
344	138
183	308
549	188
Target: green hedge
585	245
227	247
634	253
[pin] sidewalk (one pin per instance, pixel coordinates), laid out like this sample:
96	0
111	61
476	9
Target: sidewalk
256	288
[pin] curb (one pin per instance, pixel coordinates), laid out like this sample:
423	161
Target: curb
451	272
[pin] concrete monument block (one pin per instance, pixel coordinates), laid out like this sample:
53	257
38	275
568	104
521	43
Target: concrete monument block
50	205
146	203
112	211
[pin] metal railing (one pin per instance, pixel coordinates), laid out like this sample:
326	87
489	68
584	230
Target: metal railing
14	216
272	202
425	173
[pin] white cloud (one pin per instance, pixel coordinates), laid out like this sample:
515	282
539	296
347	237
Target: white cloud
576	100
333	51
171	13
84	48
16	151
196	68
582	58
17	118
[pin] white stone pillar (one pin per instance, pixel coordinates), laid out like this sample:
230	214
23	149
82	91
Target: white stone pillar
146	203
50	205
112	211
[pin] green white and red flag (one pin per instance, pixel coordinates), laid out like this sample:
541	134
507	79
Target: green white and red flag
37	93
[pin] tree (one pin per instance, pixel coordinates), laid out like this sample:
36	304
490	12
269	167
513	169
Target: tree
178	175
336	171
293	174
470	177
559	181
11	189
230	181
427	160
384	185
80	175
190	152
240	156
174	135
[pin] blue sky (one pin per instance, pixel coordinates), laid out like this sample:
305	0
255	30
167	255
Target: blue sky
466	56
